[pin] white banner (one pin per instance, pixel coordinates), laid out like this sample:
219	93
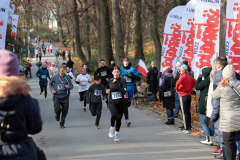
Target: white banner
172	37
4	6
14	25
233	33
186	47
206	46
10	13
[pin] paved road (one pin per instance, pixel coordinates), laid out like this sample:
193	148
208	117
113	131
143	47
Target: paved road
146	139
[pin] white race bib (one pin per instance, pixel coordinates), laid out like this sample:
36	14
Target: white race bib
128	79
61	87
83	87
116	95
43	76
104	73
98	92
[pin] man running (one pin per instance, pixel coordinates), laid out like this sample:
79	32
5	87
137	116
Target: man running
54	69
44	50
43	74
130	74
59	85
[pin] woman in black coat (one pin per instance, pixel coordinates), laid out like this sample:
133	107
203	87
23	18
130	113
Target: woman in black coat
168	84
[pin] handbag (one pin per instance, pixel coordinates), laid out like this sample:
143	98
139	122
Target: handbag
168	93
234	89
150	97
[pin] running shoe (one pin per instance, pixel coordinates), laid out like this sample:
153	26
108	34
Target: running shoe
116	138
45	99
111	133
182	127
186	131
84	109
128	123
57	117
216	152
96	127
62	126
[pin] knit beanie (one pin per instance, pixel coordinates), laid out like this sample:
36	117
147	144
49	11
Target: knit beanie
229	71
9	65
153	63
165	68
179	64
184	68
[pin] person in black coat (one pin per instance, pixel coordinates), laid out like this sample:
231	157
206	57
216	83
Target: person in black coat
152	79
70	64
87	69
168	84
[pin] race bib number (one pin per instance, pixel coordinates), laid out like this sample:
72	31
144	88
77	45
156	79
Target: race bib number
43	76
116	95
56	72
61	87
104	73
83	87
128	79
98	92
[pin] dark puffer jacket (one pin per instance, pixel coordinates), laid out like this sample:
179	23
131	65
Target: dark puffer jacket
152	75
168	84
24	120
203	86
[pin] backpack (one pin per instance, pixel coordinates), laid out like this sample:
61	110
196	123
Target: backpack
27	66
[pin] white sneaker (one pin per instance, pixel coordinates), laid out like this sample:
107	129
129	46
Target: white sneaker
111	133
208	141
116	138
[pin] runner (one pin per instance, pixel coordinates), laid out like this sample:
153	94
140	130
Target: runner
51	47
54	70
116	89
130	74
36	54
40	54
95	99
83	80
59	86
70	75
47	49
43	74
44	50
104	72
42	45
46	62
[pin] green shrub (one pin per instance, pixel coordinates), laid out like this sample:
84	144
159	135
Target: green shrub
92	64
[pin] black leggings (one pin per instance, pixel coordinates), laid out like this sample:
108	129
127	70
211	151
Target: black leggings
117	113
83	97
96	110
45	90
185	103
126	105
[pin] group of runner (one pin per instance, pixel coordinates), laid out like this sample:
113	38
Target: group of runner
113	84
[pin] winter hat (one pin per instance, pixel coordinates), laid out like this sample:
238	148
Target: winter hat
83	70
153	63
97	77
184	68
169	70
229	71
165	68
185	62
179	64
9	65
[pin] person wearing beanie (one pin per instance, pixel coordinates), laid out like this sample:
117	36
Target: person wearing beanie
152	80
228	92
59	85
190	72
168	84
94	99
177	100
28	68
184	87
82	80
17	105
43	74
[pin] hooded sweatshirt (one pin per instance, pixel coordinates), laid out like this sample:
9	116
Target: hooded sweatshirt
43	74
96	92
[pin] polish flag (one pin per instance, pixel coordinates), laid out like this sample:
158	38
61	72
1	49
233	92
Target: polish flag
141	68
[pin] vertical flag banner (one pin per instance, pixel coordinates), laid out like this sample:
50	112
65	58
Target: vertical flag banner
141	68
206	45
186	47
172	37
10	13
14	25
4	6
233	33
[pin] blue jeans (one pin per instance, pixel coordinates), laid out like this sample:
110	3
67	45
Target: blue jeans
207	131
170	114
238	148
177	104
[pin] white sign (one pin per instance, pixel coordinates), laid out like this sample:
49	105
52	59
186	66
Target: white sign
4	7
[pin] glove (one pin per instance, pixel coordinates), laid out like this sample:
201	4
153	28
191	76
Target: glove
128	75
193	93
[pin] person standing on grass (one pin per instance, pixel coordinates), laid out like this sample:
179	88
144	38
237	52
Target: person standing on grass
43	74
82	80
59	85
203	86
184	87
94	99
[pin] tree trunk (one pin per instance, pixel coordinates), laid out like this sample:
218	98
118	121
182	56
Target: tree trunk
86	30
98	12
138	30
222	49
77	33
119	46
128	28
155	34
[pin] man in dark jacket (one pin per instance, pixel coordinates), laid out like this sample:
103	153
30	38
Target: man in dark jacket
104	72
152	80
70	64
87	69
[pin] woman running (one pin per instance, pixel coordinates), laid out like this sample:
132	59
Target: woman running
116	89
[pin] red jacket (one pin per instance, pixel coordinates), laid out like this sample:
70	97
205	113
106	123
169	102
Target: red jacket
30	65
185	84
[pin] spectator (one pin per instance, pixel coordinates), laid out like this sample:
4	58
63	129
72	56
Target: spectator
138	86
152	80
177	100
87	69
190	72
20	68
24	112
159	84
70	64
168	84
69	55
184	87
203	86
228	94
28	68
63	55
57	55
